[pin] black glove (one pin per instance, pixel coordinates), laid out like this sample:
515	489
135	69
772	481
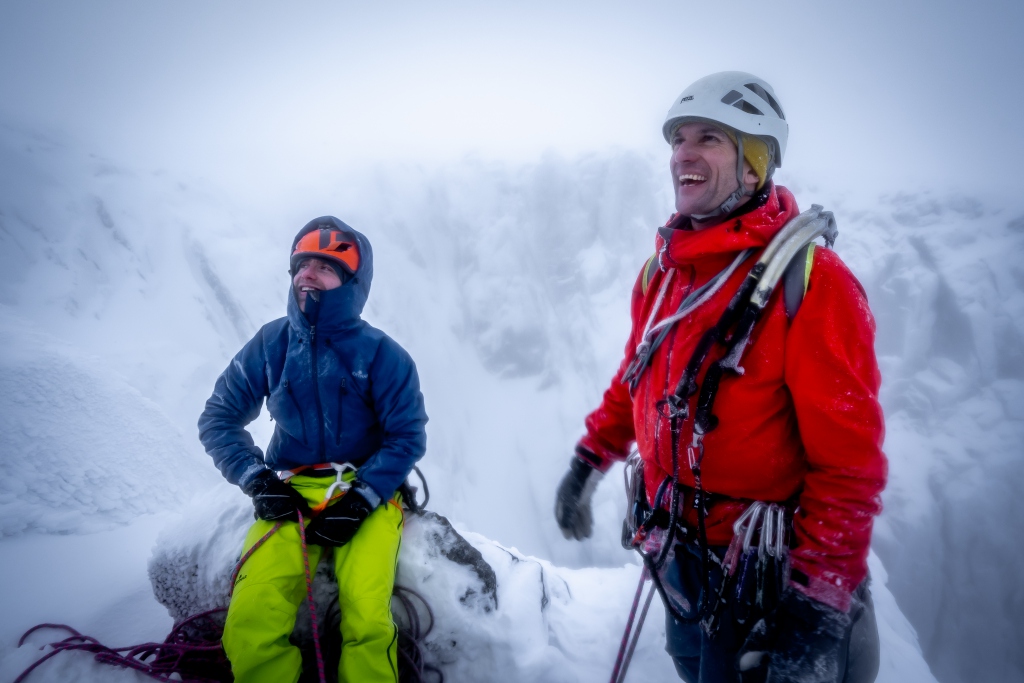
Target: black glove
336	525
572	502
274	500
801	639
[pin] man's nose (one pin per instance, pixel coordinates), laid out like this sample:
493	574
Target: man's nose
684	151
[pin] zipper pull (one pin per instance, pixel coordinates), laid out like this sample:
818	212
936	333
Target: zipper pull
312	334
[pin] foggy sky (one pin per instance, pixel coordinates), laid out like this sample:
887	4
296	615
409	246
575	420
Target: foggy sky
883	96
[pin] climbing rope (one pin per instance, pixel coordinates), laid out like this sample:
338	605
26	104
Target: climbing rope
309	596
631	636
410	636
248	553
192	653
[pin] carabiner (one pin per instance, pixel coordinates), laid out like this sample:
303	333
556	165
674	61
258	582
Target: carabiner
766	542
755	516
780	533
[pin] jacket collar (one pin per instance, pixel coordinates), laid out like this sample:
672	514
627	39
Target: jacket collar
679	245
334	315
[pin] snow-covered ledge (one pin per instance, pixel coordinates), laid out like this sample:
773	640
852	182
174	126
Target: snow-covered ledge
499	615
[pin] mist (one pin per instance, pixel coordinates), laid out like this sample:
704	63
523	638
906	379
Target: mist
508	166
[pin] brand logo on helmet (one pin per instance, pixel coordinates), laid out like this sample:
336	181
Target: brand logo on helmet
686	99
331	240
736	99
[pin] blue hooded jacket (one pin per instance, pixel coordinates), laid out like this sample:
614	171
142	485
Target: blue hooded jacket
338	390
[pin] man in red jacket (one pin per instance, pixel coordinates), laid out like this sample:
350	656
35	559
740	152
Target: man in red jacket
796	437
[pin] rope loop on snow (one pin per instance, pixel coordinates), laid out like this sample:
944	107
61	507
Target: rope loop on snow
192	652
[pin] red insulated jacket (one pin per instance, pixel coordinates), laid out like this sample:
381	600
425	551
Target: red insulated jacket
801	423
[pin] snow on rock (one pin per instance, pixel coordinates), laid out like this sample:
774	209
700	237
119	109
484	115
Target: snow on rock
498	615
80	449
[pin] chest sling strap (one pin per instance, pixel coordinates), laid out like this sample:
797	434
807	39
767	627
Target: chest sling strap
794	281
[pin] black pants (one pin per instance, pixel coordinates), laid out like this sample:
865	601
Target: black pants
702	659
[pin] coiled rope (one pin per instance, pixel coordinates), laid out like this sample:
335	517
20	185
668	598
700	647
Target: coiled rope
193	653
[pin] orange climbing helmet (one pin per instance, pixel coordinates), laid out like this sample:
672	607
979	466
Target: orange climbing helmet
329	239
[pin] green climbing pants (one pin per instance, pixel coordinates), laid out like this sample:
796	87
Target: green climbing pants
272	584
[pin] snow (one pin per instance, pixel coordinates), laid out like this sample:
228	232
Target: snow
124	292
499	615
83	450
94	582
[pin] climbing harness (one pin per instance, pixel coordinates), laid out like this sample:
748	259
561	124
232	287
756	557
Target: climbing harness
339	484
651	537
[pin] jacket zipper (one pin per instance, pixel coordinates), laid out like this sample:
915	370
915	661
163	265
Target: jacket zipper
341	410
298	409
316	391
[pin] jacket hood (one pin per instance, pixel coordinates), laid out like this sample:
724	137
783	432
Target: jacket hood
339	308
753	229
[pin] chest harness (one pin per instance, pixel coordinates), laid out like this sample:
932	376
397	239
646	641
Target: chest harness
788	256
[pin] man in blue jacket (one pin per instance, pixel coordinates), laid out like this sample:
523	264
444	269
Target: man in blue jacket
349	426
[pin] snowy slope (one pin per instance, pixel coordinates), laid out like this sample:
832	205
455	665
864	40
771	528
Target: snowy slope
81	450
944	279
123	294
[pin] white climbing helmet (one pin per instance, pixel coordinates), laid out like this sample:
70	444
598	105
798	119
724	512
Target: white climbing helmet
737	99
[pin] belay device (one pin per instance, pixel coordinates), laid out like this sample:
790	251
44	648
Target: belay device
747	568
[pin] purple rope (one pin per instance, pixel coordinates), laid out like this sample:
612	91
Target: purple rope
167	657
629	625
636	636
180	653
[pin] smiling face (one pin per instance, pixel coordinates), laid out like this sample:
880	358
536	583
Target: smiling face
703	166
313	273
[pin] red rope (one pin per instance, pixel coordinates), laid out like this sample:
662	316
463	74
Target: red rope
248	553
312	607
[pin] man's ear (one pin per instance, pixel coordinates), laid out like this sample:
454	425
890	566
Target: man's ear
750	179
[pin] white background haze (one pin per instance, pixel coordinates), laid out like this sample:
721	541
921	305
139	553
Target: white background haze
507	165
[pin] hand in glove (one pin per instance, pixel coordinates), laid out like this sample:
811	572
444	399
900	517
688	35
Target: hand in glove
336	525
801	639
572	502
274	500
